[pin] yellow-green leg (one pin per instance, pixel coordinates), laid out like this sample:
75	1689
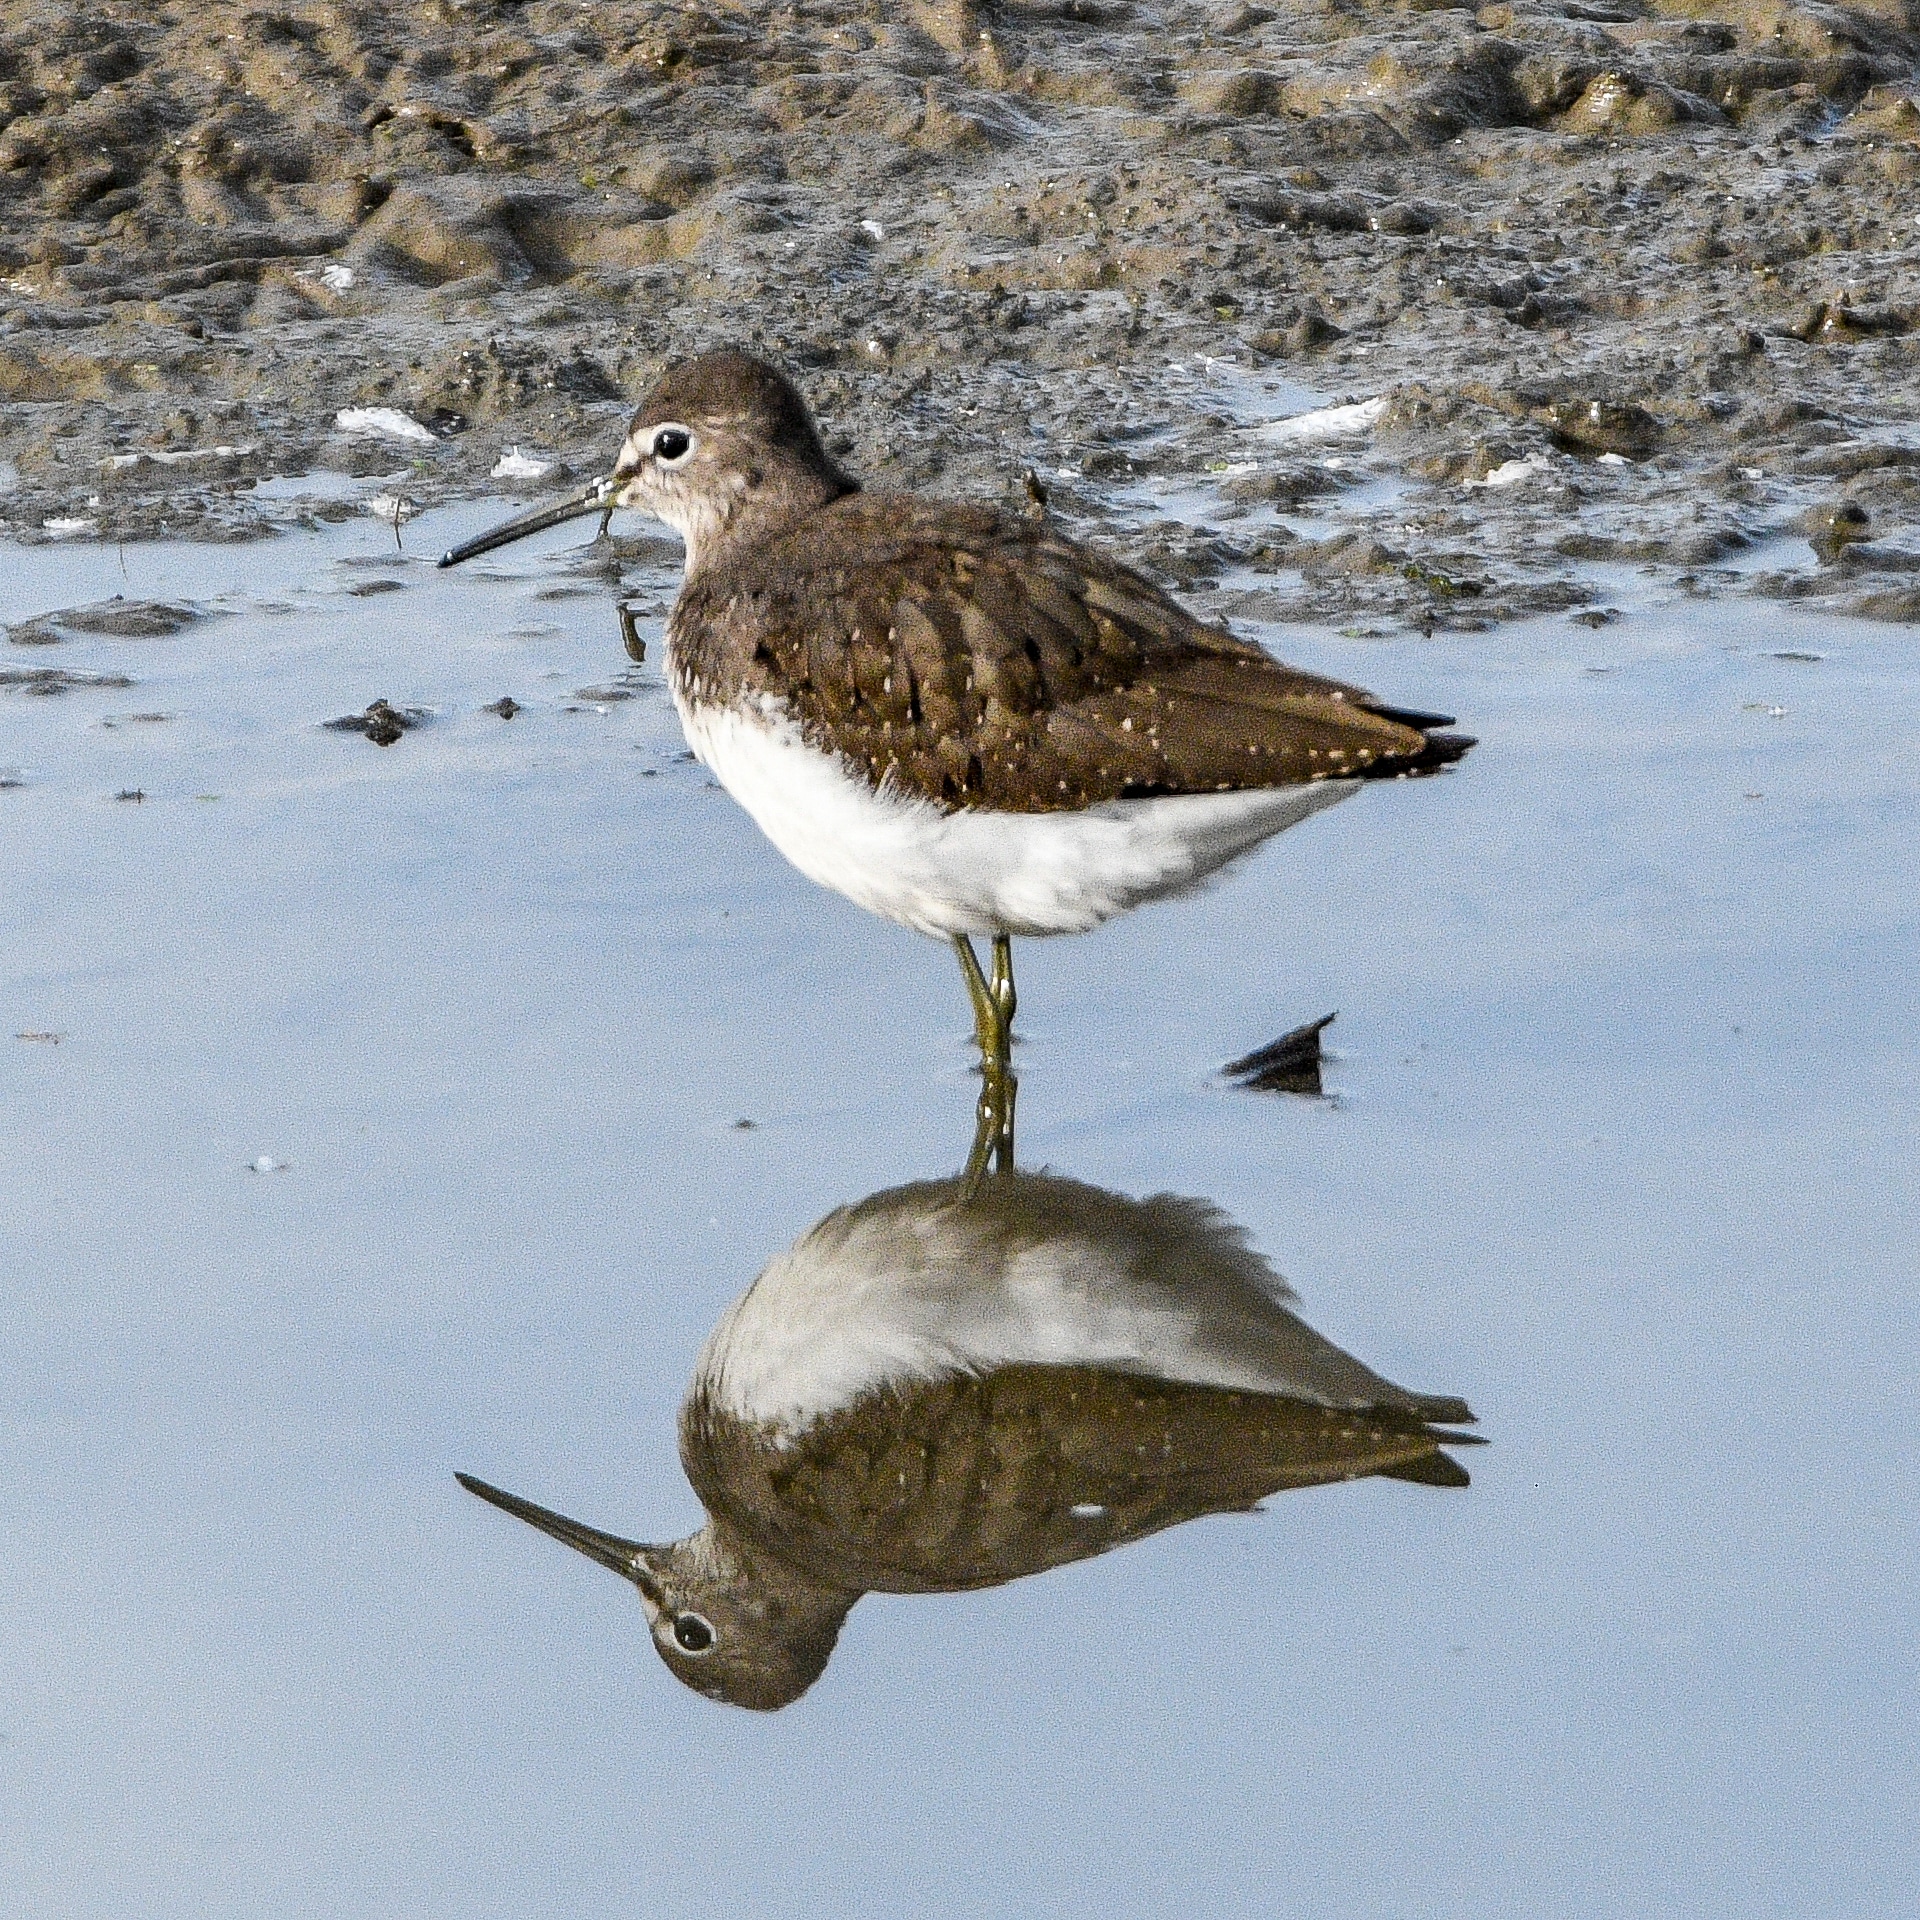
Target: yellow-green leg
993	1008
1005	1000
630	635
992	1130
992	1003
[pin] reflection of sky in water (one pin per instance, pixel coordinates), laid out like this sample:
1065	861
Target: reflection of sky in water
1621	1152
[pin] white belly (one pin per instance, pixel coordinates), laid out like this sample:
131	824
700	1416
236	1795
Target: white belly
979	872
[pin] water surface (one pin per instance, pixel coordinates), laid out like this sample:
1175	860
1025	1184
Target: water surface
1619	1150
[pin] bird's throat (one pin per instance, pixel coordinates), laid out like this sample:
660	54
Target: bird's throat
755	506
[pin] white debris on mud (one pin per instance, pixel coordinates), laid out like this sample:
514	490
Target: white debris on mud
515	465
1510	473
1325	423
387	421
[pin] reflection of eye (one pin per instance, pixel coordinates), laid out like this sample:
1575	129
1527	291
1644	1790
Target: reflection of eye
672	445
691	1633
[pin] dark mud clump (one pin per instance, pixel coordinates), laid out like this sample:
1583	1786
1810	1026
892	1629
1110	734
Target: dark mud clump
115	619
383	723
51	680
1638	279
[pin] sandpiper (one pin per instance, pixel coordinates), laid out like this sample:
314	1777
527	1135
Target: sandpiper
959	718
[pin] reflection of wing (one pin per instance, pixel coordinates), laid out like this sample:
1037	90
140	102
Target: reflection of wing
970	1480
923	1283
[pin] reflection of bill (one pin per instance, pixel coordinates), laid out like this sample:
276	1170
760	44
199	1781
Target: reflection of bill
958	1383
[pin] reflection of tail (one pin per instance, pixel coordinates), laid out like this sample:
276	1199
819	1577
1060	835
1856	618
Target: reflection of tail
1423	1412
1431	1470
1441	750
1443	1410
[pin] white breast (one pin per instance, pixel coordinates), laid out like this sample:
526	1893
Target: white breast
978	872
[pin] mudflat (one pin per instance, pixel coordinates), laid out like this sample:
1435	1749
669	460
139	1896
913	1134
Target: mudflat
1427	313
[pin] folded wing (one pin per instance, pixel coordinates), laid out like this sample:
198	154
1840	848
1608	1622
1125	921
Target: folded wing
980	661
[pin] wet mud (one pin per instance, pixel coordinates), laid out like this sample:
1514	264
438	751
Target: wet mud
1557	288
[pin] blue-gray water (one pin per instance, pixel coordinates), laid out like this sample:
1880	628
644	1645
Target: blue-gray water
1622	1152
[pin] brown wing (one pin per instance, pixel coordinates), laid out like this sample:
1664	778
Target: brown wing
983	661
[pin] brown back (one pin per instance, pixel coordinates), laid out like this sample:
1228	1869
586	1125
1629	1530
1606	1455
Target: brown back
977	660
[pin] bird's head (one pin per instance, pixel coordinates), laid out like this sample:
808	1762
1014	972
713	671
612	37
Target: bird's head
734	1624
722	448
720	439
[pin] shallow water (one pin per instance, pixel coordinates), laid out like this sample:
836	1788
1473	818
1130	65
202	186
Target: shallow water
1619	1149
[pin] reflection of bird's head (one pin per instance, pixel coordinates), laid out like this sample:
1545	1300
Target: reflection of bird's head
735	1624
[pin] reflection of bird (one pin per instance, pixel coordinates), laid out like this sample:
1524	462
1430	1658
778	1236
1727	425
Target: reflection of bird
959	718
959	1383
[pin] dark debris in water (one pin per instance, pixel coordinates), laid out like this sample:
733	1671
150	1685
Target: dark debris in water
630	635
383	723
506	707
1290	1064
57	679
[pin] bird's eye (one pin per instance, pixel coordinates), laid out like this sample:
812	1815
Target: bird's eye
691	1633
671	445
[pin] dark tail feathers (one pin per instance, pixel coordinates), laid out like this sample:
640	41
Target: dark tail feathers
1441	749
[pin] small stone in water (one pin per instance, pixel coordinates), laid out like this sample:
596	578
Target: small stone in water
383	723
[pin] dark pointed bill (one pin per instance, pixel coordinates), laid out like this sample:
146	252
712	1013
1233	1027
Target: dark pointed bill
623	1556
592	500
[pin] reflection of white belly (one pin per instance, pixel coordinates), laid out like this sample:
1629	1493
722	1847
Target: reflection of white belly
979	872
937	1279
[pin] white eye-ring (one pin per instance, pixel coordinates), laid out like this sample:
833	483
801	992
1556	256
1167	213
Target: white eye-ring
672	444
692	1633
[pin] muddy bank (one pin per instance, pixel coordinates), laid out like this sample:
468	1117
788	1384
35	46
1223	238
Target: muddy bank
1592	284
